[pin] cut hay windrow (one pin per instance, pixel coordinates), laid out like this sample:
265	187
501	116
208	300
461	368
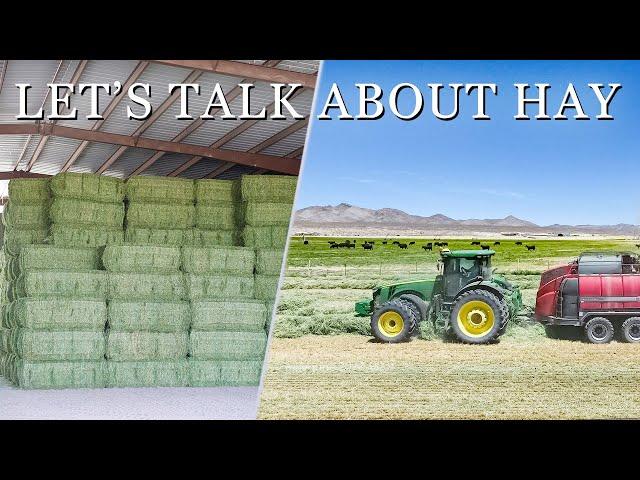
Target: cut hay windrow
153	236
207	238
56	314
165	190
214	192
25	216
227	345
54	375
265	237
153	215
87	186
269	261
146	286
57	345
90	284
266	287
85	236
268	188
166	373
228	315
15	238
123	346
216	373
50	257
152	316
205	260
264	214
70	211
216	217
29	191
201	287
141	258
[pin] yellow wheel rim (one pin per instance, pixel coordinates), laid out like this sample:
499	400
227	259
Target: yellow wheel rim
476	318
391	323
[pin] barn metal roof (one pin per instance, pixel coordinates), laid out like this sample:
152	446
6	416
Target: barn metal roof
162	144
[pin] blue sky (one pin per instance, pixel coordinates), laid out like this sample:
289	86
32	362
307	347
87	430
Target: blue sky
572	172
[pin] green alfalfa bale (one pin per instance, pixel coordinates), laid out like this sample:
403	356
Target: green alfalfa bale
124	346
29	191
153	236
268	188
269	261
60	374
227	345
215	192
228	287
71	211
57	345
210	238
264	214
25	216
152	316
218	259
85	236
15	238
141	258
266	287
228	315
216	217
165	190
91	284
49	314
155	215
146	286
55	257
224	373
5	340
149	373
87	186
265	237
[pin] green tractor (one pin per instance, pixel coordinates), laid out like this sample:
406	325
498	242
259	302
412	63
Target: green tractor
466	299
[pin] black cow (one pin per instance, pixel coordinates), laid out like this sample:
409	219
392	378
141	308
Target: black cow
437	244
475	243
331	242
444	244
384	243
402	245
637	245
485	247
367	246
518	243
306	242
334	245
427	247
412	243
530	247
395	242
351	245
496	243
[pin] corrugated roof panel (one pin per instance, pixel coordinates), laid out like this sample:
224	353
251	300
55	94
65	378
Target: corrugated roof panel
213	130
167	126
158	77
92	157
265	129
166	164
235	172
288	144
202	168
29	148
11	147
301	66
54	155
131	159
97	71
35	72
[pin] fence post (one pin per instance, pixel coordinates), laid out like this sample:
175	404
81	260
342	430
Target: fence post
345	269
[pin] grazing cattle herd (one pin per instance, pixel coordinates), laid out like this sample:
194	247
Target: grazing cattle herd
427	247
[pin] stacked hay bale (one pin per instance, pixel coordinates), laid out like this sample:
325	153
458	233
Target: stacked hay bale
87	210
216	213
266	209
54	326
227	338
160	211
147	337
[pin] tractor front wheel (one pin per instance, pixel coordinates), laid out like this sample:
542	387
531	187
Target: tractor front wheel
479	316
393	322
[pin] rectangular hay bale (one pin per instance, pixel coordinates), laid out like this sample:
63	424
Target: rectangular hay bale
224	373
123	346
205	260
214	191
155	215
37	345
89	284
265	237
88	186
152	316
216	217
25	216
165	190
85	236
56	257
29	191
71	211
209	238
141	258
153	236
56	375
269	261
264	214
227	345
217	286
15	238
268	188
150	373
146	286
266	287
56	314
228	315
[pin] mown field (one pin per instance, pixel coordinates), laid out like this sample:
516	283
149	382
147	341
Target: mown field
324	364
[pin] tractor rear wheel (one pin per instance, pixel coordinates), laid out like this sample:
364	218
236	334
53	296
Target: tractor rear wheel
631	330
393	322
420	305
599	330
479	316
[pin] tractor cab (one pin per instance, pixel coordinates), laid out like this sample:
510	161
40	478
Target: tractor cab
461	267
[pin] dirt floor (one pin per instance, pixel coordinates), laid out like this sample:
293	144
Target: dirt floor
352	377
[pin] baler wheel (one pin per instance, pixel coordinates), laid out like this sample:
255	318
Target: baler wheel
393	322
599	330
631	330
479	316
